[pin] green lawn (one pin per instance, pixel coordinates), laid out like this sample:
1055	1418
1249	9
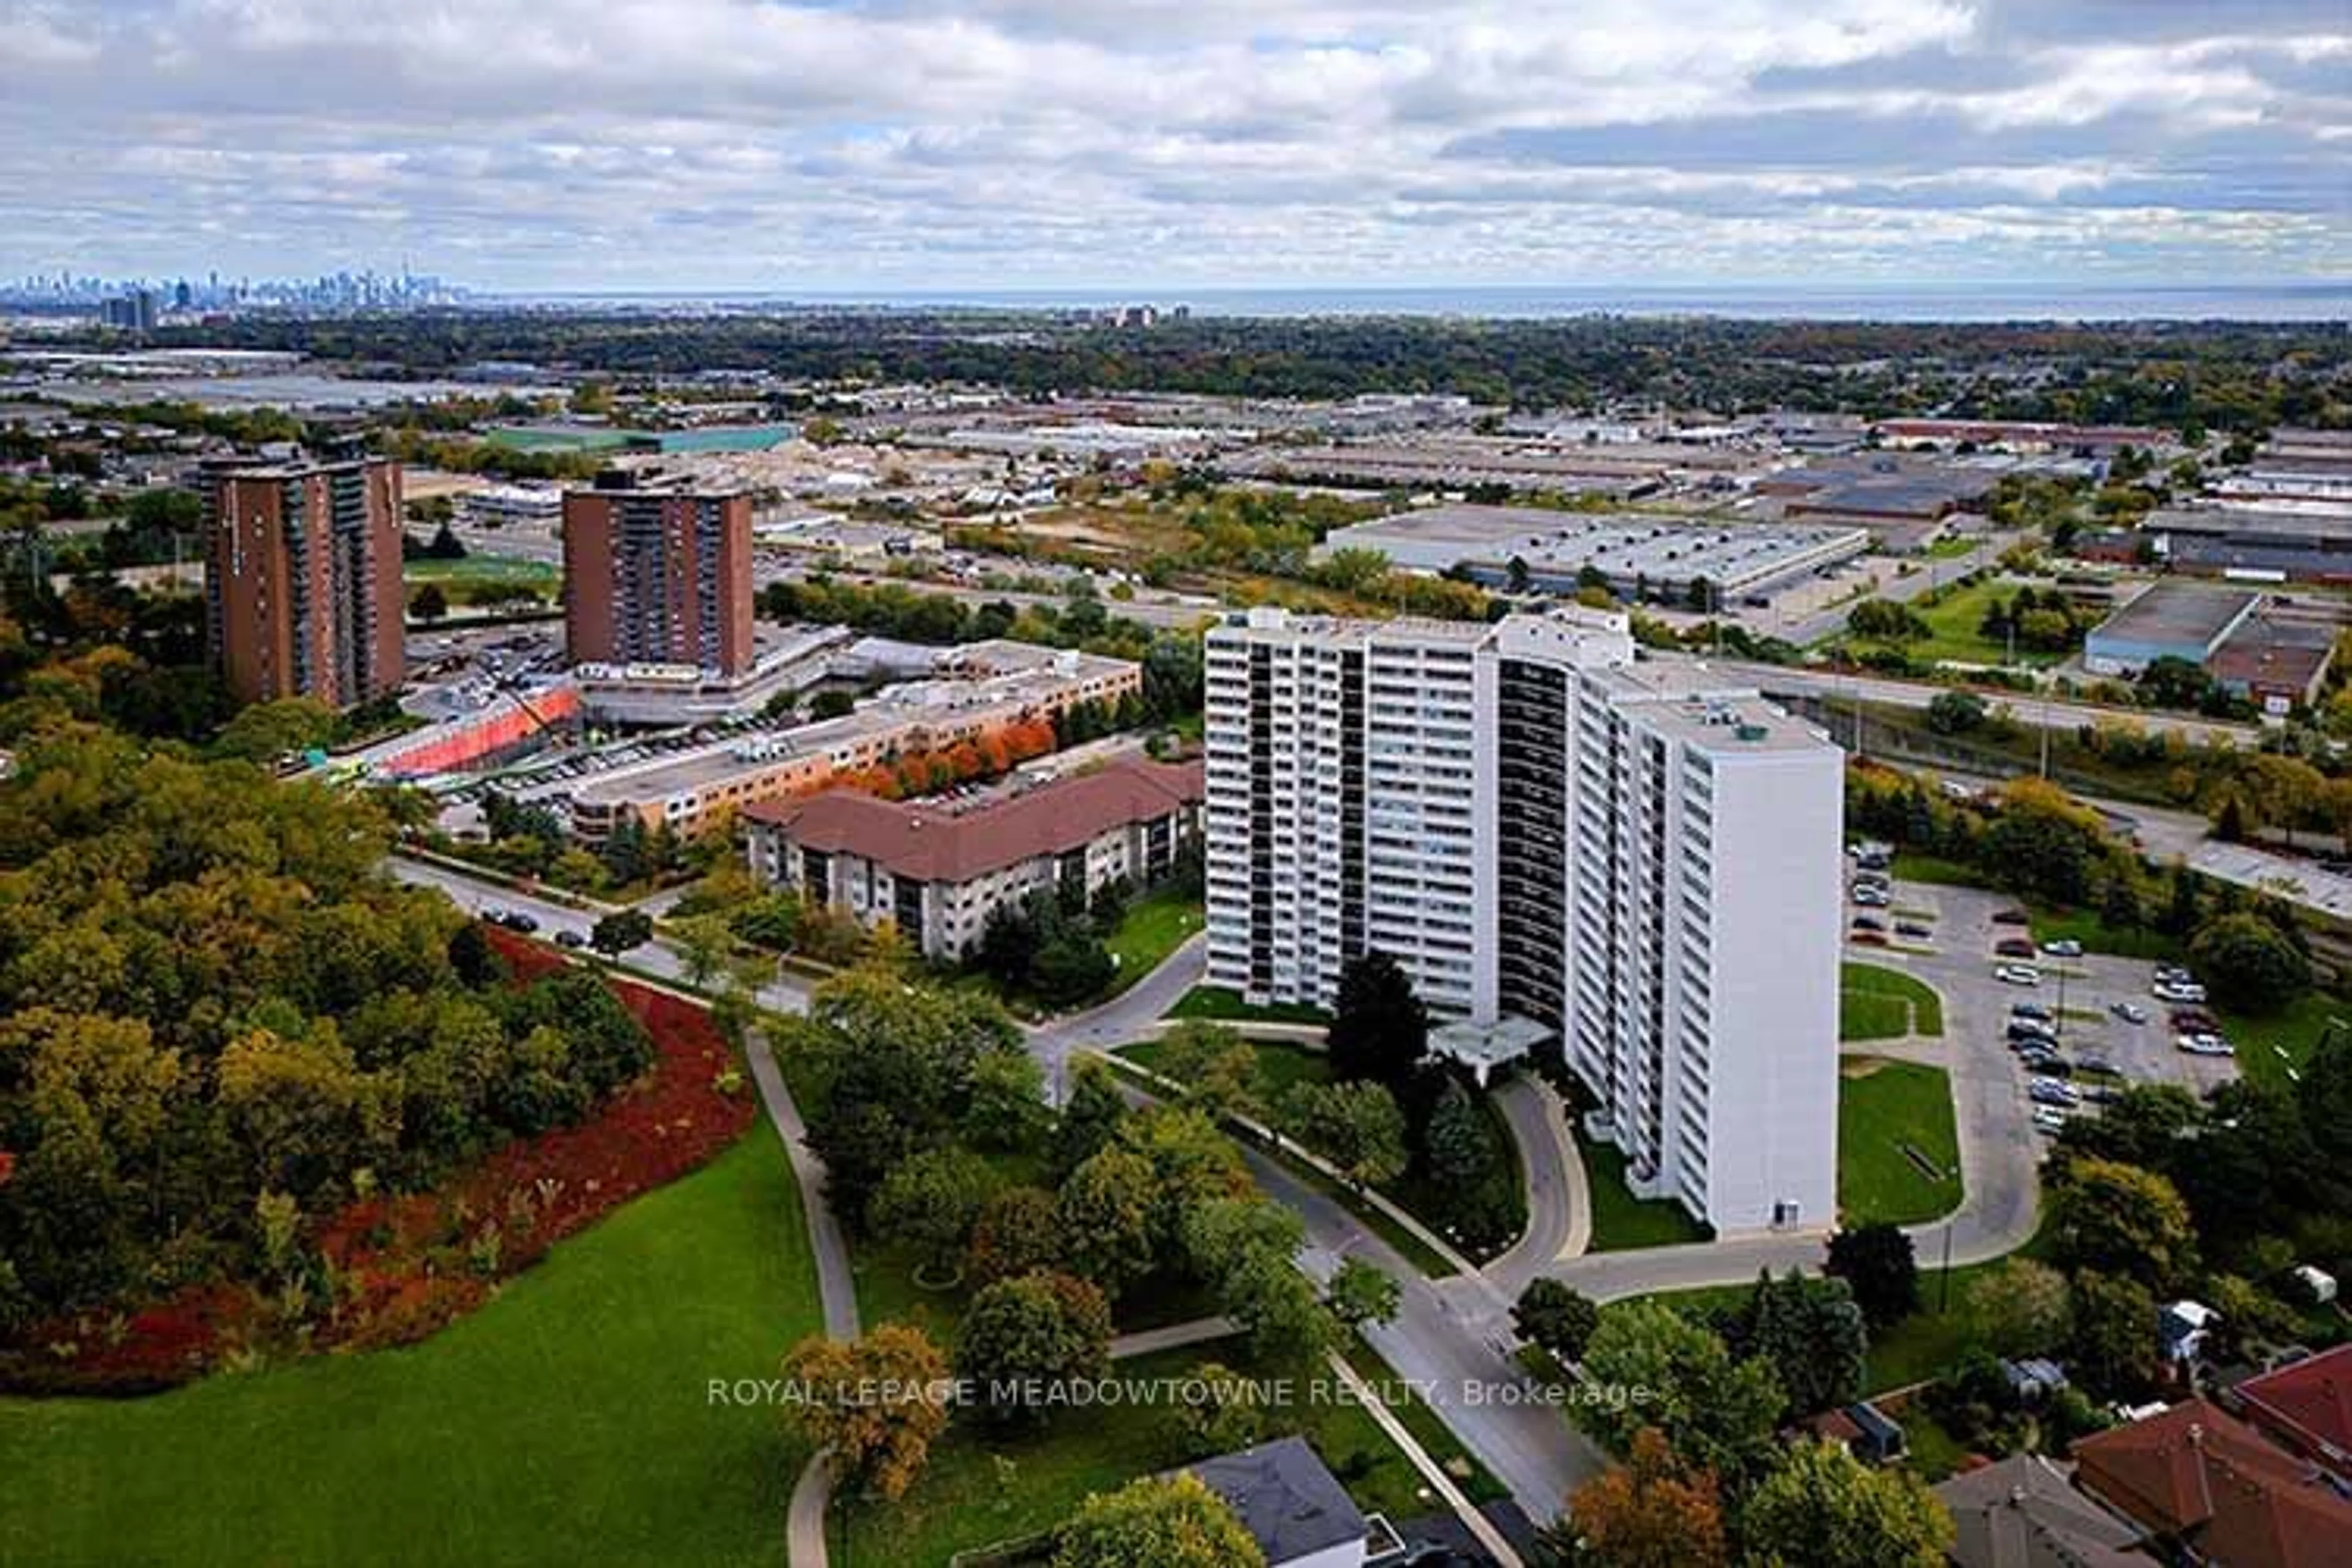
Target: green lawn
1621	1222
1281	1065
1881	1004
1885	1109
1225	1007
967	1498
1912	867
1152	928
2268	1043
1953	621
567	1422
2097	936
468	569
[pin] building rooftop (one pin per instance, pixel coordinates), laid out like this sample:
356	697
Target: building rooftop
1718	713
2183	614
923	842
2023	1514
2201	1476
2308	1403
1285	1497
2271	652
1620	546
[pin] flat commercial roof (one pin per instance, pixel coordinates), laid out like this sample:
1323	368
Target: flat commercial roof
1623	546
2177	615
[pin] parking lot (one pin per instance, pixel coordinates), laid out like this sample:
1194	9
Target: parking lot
1958	957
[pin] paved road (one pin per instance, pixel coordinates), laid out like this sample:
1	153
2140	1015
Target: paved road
1127	1017
1559	1197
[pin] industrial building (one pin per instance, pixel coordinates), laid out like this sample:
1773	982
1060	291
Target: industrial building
2279	540
302	590
657	572
2170	619
1535	826
938	872
1638	557
501	506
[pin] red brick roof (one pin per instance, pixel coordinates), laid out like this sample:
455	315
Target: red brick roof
2198	1474
927	843
2308	1404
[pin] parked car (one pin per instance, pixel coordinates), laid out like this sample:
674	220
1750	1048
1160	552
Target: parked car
2048	1120
2064	947
2011	918
494	914
2013	947
1868	922
2033	1010
1912	928
2048	1063
1869	938
2204	1044
2178	991
2017	974
2020	1029
2172	972
1875	898
2129	1012
2101	1093
2099	1065
517	921
568	938
2052	1092
2195	1021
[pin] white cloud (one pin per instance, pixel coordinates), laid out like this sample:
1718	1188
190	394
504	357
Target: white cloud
905	142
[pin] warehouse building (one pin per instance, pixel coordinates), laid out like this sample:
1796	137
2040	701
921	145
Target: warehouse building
2172	620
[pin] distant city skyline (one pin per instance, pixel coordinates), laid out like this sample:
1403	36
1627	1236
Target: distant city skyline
871	149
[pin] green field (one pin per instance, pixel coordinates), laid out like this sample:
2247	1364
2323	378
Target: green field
2269	1044
568	1421
1221	1006
1881	1004
967	1498
1153	927
1621	1222
1884	1109
2097	936
1912	867
470	569
1952	624
1280	1065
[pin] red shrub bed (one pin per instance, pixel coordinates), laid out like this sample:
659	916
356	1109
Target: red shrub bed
399	1268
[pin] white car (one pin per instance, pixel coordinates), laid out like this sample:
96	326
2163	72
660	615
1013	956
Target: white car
2064	947
2178	991
2205	1044
1875	897
2049	1119
2018	974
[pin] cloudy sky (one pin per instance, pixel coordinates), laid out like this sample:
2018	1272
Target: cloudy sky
902	144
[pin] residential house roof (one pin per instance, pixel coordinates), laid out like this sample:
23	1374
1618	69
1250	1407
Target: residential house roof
2308	1404
2023	1513
1287	1498
927	843
2200	1476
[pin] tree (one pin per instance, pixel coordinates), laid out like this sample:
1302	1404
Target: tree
1217	1068
1091	1119
2106	1215
2113	1347
1653	1512
1460	1147
1175	1522
1007	1108
617	932
1023	1340
1883	620
1810	1332
833	703
1821	1508
1229	1413
875	1403
1356	1126
2020	1308
1557	1317
1717	1412
1105	1216
428	603
1246	1248
2248	963
1956	713
1880	1265
1071	966
1360	1294
1014	1235
704	945
1379	1030
265	732
932	1202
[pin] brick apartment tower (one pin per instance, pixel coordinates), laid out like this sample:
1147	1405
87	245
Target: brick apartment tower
302	592
656	573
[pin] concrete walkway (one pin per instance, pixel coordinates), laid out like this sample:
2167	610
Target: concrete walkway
1173	1336
836	1286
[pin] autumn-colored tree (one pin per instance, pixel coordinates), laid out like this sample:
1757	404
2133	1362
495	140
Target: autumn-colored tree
877	1403
1654	1512
1154	1523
